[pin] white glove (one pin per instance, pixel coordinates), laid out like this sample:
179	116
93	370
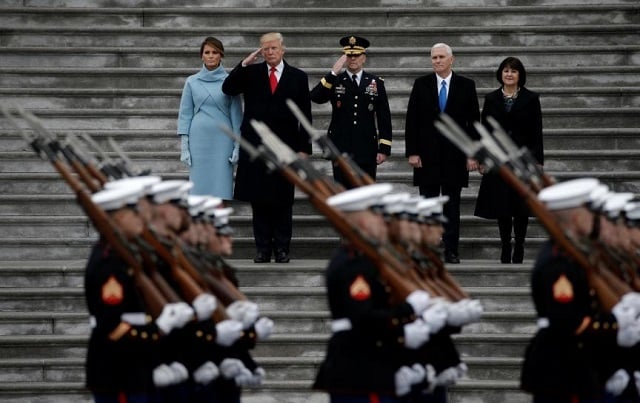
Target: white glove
435	316
418	373
419	301
463	312
462	370
243	378
430	377
447	377
617	383
258	377
628	323
636	378
163	376
264	328
185	155
179	371
416	334
633	299
402	379
206	373
231	368
174	316
235	154
227	332
204	305
245	312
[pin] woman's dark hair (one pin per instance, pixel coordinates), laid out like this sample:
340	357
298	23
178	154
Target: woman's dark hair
211	41
516	64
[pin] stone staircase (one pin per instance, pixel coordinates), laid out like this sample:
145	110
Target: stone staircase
115	68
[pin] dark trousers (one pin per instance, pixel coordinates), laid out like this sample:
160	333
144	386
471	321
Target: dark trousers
439	395
538	399
339	177
272	226
451	210
372	398
121	397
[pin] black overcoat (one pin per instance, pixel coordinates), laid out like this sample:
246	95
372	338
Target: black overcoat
253	183
524	125
442	162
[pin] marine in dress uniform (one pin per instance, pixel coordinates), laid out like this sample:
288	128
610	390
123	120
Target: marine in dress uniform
360	115
123	336
362	362
562	362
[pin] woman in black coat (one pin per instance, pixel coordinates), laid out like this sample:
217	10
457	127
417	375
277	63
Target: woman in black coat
518	111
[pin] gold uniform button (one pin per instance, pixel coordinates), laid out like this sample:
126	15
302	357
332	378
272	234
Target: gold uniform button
134	332
394	321
144	335
199	333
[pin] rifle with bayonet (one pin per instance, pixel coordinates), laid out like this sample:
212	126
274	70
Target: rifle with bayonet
41	144
486	151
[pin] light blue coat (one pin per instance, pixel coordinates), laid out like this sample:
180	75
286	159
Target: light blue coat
203	109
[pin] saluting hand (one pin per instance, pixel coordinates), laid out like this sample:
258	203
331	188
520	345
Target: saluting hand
337	67
251	58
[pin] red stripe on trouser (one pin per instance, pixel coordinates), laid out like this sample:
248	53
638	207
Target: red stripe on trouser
122	397
373	398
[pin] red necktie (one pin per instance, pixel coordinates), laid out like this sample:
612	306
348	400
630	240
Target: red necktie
273	80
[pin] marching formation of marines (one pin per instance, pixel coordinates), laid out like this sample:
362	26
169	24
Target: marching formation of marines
170	324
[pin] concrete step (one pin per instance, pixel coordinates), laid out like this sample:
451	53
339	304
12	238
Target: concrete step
555	139
270	392
169	77
310	16
68	98
161	162
304	321
477	55
295	345
71	299
163	119
301	273
326	36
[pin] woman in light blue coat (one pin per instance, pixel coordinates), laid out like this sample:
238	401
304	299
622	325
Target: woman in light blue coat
204	108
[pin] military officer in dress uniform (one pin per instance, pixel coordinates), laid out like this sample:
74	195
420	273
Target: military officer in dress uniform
360	118
561	362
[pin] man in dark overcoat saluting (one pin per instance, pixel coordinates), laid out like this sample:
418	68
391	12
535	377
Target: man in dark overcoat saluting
266	86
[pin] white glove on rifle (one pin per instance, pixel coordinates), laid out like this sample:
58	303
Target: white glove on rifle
204	305
245	312
416	334
231	368
251	380
447	377
206	373
402	380
435	316
163	376
185	155
628	320
264	328
419	301
174	316
180	372
227	332
617	383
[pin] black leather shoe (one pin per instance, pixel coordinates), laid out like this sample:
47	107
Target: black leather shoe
282	257
451	257
262	257
518	253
